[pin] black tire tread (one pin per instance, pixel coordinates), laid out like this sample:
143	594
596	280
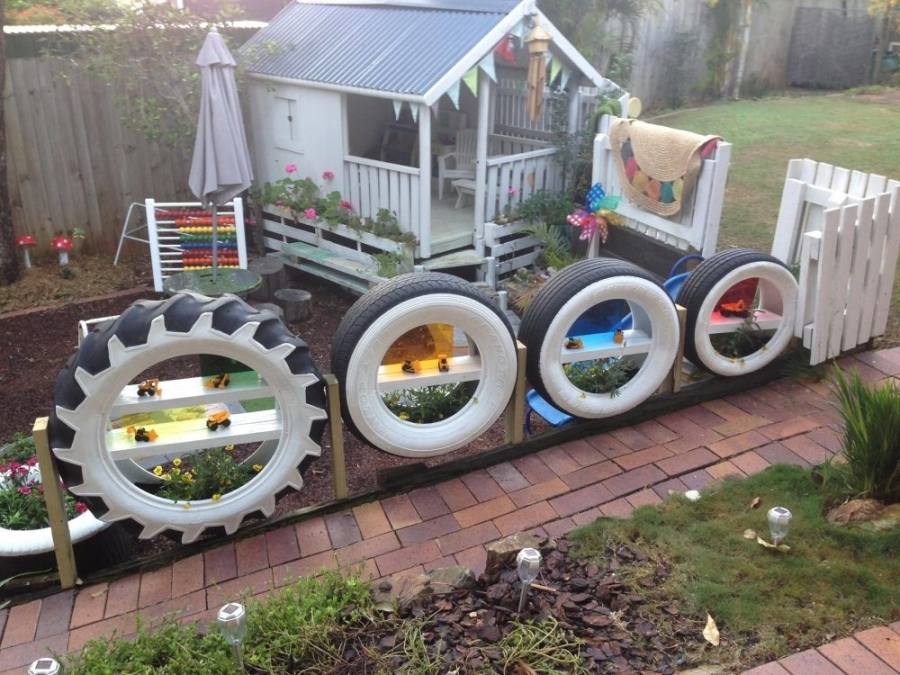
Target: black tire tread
181	312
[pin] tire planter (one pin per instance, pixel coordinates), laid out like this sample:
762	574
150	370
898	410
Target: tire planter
99	467
768	283
564	302
97	545
379	318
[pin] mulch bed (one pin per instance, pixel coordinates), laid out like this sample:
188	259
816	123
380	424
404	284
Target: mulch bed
465	627
35	345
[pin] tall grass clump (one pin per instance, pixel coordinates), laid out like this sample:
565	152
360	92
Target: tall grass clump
871	443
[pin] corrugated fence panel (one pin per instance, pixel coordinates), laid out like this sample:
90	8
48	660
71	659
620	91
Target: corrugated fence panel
72	163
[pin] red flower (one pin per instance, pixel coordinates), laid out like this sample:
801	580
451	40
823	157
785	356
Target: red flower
328	175
80	507
24	490
346	205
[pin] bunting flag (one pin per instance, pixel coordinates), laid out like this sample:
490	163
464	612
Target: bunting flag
398	106
548	57
487	65
555	68
471	80
414	109
519	30
564	80
453	93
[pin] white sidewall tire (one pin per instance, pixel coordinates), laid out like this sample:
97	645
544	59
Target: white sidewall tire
659	312
15	543
382	428
780	294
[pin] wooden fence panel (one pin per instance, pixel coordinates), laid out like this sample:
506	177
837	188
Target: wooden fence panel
72	163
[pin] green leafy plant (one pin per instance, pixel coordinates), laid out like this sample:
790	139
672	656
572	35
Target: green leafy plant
746	339
18	449
601	376
424	405
557	248
390	263
871	443
22	505
206	475
551	208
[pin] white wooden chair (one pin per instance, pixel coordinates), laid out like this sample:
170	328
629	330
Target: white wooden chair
842	228
697	226
463	156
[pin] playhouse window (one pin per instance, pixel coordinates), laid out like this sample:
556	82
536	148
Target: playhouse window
286	122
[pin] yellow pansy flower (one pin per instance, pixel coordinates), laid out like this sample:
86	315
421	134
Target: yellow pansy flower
257	468
229	448
216	497
176	461
157	471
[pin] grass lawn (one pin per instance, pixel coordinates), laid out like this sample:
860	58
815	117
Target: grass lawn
857	132
766	603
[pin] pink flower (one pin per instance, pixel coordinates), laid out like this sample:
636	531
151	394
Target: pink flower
80	507
311	213
328	175
512	191
24	490
346	205
290	168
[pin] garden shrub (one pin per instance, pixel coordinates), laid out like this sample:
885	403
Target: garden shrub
871	443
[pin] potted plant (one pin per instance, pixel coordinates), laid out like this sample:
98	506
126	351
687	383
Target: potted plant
26	542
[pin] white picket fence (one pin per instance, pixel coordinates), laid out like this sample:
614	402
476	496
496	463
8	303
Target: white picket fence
842	228
697	226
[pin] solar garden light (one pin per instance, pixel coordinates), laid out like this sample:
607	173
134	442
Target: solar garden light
779	523
45	666
232	620
528	564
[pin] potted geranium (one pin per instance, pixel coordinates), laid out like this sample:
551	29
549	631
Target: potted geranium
26	543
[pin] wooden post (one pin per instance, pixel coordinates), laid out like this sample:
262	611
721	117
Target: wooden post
673	384
336	430
424	231
481	154
56	510
515	411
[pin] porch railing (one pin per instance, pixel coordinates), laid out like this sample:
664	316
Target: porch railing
371	185
511	179
502	144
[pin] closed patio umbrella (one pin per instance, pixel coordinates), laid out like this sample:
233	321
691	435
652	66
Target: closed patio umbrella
220	169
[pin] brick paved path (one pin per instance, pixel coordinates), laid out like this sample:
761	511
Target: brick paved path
870	652
551	491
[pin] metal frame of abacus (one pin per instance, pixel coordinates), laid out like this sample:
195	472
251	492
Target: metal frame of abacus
180	235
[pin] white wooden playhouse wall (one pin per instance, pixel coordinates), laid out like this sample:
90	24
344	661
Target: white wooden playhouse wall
296	125
842	229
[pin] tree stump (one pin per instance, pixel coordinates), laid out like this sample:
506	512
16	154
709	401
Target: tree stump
269	306
271	270
297	304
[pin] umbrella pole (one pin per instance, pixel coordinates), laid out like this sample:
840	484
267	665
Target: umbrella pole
215	241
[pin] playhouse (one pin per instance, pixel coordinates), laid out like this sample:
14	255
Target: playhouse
419	107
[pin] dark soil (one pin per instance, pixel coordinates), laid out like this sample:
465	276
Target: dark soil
34	346
466	629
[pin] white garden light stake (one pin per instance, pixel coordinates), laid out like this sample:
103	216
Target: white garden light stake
779	523
232	620
45	666
528	565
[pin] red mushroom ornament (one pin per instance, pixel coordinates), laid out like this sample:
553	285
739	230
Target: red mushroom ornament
25	242
63	245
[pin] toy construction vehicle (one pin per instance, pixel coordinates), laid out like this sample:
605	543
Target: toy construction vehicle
738	308
142	434
219	381
219	419
443	363
574	343
149	388
411	367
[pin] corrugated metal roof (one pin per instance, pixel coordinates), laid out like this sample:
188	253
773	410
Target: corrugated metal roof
402	50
